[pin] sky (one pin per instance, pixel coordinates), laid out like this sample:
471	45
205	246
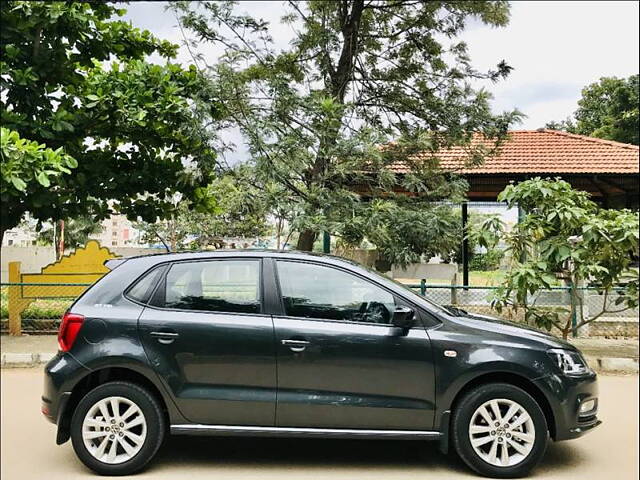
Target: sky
556	48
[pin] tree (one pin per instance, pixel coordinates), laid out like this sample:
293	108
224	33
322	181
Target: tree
566	125
234	208
608	109
565	236
357	75
130	126
77	232
26	164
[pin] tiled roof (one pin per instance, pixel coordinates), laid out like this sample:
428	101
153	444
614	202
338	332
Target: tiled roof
546	152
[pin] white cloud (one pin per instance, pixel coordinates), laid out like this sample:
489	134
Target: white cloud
556	48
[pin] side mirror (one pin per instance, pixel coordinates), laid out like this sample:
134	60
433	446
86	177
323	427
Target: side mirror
403	317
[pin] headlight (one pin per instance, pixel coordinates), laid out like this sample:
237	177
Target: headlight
569	361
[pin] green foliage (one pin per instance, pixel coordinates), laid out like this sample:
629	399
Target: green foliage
77	232
230	206
26	163
131	126
608	109
565	236
357	75
488	261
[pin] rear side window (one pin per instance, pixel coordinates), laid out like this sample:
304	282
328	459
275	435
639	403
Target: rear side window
143	288
231	286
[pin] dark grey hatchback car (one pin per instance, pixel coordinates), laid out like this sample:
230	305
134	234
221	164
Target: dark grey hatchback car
266	343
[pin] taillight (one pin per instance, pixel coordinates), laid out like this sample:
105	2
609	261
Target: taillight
69	328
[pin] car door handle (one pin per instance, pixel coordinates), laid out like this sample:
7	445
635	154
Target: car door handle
296	345
165	337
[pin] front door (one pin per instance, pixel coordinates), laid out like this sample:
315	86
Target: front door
207	338
340	362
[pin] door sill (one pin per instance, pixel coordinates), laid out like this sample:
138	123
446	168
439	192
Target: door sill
252	431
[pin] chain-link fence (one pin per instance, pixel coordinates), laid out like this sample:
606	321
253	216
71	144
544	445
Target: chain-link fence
40	307
616	321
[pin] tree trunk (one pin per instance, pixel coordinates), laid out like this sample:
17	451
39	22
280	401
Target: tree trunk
278	231
60	245
305	240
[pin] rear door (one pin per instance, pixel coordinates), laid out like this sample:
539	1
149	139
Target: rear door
341	364
207	337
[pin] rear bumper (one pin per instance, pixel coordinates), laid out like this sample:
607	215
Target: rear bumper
60	374
53	410
566	396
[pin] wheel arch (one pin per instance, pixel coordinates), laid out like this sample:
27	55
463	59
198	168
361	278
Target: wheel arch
516	380
98	377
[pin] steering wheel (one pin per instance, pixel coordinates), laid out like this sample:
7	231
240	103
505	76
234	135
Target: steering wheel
376	312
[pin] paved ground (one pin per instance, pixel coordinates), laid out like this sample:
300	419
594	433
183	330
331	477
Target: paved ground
28	448
28	343
604	347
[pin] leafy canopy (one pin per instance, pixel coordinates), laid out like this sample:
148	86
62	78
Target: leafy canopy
565	235
77	232
357	75
608	109
234	208
130	125
26	163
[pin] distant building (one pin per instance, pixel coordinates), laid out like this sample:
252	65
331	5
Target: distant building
19	237
118	231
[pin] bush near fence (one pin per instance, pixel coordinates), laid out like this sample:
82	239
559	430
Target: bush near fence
43	315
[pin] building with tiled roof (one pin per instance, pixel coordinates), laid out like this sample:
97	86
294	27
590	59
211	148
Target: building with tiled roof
606	169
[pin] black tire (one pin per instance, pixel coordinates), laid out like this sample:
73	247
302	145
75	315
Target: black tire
462	417
155	427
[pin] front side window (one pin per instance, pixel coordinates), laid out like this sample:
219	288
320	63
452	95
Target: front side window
316	291
214	286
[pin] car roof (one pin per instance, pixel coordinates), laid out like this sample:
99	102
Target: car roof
230	253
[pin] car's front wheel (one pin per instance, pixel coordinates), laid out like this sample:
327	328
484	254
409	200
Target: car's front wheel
117	428
499	430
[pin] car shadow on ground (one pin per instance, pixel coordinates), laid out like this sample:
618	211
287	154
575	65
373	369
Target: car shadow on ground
275	453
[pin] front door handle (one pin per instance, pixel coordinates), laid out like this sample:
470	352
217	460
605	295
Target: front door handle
165	337
296	345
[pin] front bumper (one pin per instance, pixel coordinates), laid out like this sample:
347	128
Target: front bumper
566	395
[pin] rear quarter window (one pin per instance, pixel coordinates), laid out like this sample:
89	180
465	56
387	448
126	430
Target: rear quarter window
142	289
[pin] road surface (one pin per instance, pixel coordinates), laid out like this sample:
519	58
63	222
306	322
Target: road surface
28	449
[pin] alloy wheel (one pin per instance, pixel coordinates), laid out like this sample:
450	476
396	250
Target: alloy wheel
501	432
114	430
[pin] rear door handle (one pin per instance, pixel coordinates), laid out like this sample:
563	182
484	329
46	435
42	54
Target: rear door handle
296	345
165	337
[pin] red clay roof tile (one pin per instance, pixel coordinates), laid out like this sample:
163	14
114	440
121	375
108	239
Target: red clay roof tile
546	152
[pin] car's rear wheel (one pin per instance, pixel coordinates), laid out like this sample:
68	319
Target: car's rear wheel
499	430
117	428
